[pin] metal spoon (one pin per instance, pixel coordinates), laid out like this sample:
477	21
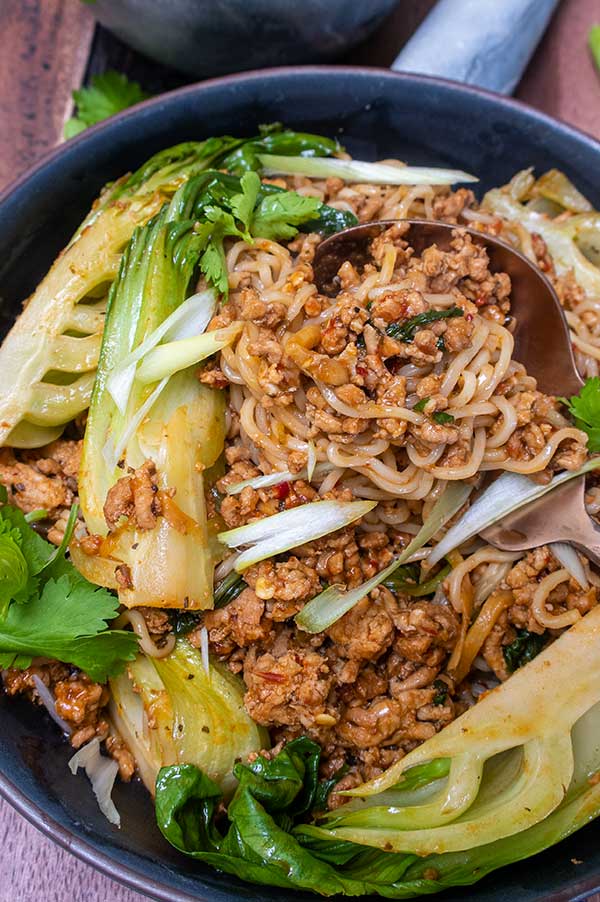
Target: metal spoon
542	345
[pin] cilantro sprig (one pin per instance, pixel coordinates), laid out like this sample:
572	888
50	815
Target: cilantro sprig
107	94
585	410
225	206
48	609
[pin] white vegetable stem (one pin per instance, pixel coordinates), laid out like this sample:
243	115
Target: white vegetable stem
102	772
508	493
190	318
288	529
275	478
359	171
566	555
170	358
330	605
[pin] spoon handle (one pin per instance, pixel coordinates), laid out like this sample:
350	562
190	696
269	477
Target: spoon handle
487	43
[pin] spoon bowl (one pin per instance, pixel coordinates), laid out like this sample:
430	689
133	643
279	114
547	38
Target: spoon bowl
542	342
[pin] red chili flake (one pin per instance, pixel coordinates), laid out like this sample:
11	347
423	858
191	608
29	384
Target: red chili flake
282	490
361	370
468	317
480	300
270	677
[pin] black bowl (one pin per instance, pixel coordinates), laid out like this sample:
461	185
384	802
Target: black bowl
375	114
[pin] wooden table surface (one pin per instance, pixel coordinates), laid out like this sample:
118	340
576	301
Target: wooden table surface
47	48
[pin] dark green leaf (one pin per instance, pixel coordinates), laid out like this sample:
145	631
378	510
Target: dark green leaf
277	141
326	787
183	622
442	418
329	221
400	581
14	574
420	405
258	845
229	588
441	695
406	331
523	649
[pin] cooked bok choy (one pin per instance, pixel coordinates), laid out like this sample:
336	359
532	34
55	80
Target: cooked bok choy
178	423
171	710
512	776
148	404
49	358
512	759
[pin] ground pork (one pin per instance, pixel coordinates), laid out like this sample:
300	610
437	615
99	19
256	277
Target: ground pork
78	700
523	580
134	497
44	479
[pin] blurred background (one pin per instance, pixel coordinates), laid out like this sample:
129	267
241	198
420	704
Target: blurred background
50	48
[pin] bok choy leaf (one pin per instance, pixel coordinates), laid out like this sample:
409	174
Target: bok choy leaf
147	403
49	358
530	744
60	328
182	431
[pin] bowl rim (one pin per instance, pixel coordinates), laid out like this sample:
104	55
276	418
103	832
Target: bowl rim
75	842
49	156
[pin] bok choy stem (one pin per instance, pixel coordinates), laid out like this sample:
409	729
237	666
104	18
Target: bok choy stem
182	432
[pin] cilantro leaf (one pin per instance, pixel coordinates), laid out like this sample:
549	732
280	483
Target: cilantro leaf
243	204
585	410
48	608
36	551
68	622
108	94
14	574
277	215
214	265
